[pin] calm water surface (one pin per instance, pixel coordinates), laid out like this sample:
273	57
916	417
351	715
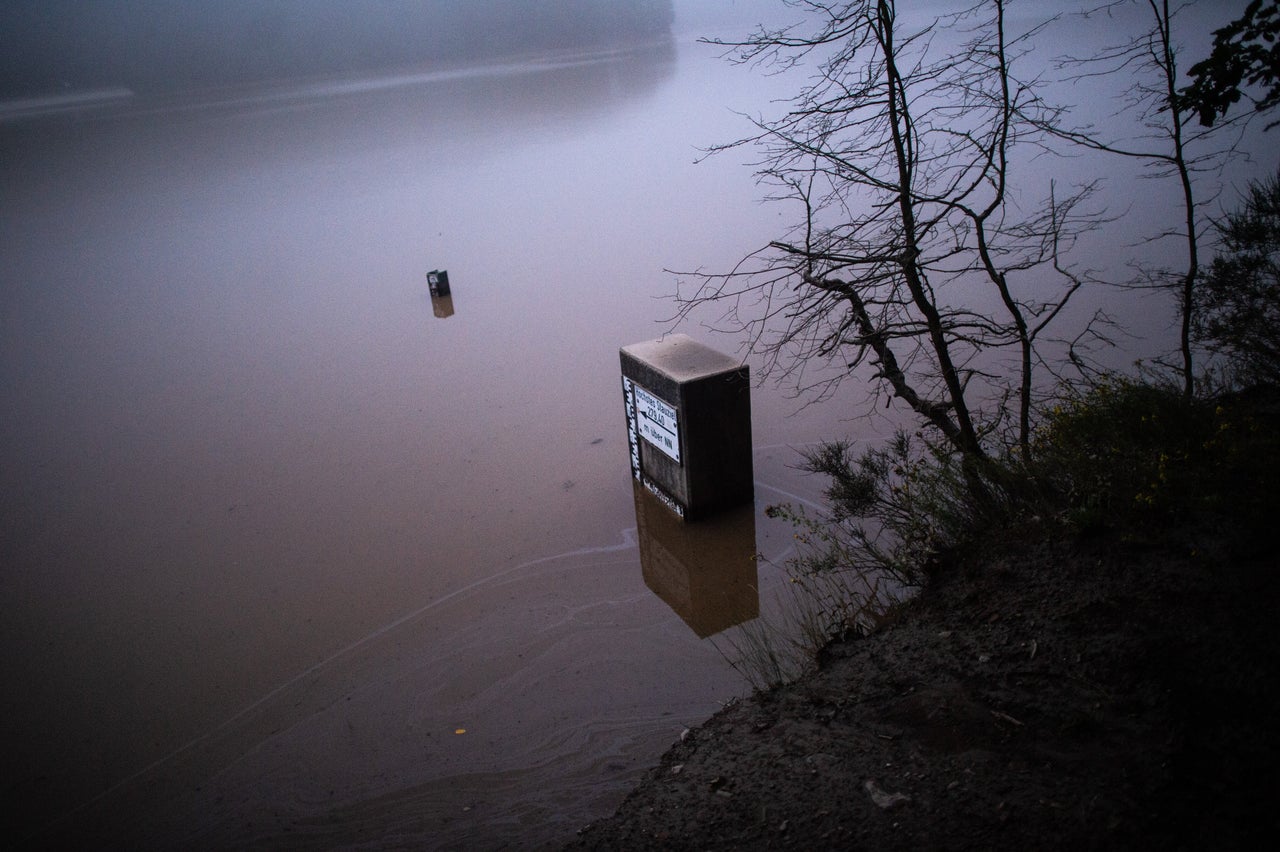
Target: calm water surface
287	558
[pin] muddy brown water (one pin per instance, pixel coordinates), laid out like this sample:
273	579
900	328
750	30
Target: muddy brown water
292	556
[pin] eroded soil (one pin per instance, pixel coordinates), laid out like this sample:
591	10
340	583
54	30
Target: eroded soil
1043	693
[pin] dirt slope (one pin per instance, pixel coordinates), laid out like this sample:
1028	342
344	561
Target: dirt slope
1044	693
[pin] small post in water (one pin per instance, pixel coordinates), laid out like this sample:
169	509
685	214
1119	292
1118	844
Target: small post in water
438	282
441	298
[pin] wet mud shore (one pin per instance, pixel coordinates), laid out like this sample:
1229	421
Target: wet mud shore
1044	692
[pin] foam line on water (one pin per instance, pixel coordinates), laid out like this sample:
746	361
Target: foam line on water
629	541
37	106
806	501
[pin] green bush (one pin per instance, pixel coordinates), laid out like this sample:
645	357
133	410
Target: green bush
891	508
1123	455
1142	459
1135	459
1237	312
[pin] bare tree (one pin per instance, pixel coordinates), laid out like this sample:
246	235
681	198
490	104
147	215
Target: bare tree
912	250
1168	147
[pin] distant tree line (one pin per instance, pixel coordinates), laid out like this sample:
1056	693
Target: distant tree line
47	46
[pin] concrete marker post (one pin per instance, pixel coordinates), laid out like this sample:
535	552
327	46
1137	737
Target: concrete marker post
689	425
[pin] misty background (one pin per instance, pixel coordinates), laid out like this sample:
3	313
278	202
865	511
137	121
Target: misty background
148	46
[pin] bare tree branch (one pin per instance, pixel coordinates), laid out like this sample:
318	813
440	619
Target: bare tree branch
908	254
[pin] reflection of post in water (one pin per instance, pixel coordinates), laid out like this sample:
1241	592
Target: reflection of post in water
442	306
706	571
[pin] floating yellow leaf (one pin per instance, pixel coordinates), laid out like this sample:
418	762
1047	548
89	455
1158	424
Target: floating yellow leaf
460	731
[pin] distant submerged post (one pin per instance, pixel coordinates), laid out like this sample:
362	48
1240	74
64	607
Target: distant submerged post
441	298
438	282
689	424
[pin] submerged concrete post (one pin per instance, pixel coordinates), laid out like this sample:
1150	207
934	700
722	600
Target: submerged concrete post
689	424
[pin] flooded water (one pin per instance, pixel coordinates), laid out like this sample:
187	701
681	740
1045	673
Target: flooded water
293	555
290	555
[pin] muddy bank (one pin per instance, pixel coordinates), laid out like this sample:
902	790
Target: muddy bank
1044	692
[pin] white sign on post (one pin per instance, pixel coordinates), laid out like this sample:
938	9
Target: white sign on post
657	422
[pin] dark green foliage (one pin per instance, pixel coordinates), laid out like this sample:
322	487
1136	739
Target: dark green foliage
1126	456
891	509
1132	460
1144	460
1246	53
1119	452
1238	310
852	486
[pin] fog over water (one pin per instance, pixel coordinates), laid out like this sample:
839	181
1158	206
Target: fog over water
290	558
